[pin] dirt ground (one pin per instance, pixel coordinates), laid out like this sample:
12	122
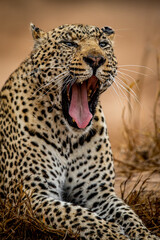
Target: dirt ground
137	41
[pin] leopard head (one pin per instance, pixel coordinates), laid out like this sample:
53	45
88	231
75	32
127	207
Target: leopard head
78	63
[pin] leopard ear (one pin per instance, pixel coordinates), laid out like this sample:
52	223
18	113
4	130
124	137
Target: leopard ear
37	33
109	32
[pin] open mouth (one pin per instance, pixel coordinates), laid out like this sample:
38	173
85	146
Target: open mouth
79	102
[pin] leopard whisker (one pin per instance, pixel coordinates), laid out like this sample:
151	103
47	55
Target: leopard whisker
132	71
43	86
123	93
139	66
127	89
60	80
125	76
64	74
121	88
67	81
49	83
113	88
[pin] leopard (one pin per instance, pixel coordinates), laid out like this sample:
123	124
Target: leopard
54	142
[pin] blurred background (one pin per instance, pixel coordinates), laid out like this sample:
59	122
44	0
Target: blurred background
137	44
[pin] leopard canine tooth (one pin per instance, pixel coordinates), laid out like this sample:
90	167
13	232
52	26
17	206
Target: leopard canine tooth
68	89
89	92
68	95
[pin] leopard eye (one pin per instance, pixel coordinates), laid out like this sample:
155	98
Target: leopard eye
70	43
103	44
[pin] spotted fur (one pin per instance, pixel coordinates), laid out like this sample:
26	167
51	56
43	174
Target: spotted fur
67	171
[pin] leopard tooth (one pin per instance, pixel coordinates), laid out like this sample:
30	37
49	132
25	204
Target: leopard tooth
89	92
68	96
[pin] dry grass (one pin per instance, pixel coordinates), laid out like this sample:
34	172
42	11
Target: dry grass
142	149
141	154
146	203
14	225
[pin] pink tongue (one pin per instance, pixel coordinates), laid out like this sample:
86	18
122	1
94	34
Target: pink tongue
79	109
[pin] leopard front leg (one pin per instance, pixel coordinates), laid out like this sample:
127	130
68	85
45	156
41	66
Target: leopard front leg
75	220
93	190
91	184
115	210
43	191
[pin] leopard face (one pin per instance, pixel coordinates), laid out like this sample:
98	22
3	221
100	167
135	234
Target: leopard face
78	63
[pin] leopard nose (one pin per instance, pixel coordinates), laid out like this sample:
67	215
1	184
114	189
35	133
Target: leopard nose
94	61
